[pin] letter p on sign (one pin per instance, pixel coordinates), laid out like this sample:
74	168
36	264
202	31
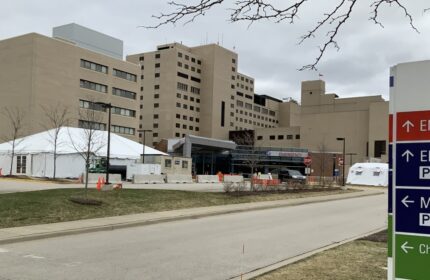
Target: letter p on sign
425	172
425	219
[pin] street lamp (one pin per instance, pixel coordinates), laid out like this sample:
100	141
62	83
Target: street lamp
143	141
109	107
343	167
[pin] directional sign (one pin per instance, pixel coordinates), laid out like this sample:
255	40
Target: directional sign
413	126
413	210
412	250
413	164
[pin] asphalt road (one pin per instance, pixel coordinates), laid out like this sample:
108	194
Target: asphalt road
206	248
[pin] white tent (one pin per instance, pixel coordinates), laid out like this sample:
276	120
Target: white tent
370	174
38	150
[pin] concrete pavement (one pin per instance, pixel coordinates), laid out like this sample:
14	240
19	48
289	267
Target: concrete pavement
206	248
17	185
17	234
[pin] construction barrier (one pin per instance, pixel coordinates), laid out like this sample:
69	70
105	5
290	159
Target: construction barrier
94	177
208	179
179	178
233	178
148	179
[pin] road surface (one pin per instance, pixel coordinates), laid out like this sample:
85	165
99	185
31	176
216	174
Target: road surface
205	248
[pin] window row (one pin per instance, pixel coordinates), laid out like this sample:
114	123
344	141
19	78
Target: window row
187	57
93	86
123	129
185	106
244	79
184	87
256	116
123	93
244	87
186	97
279	137
94	66
189	127
124	75
187	67
184	117
244	120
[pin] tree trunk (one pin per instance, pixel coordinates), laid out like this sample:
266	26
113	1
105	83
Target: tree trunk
55	158
13	155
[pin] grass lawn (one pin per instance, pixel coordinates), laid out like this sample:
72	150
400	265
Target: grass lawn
50	206
357	260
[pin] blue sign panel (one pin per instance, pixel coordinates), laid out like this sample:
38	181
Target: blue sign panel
390	191
413	164
413	211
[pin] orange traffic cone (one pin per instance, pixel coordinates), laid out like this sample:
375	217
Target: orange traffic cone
99	184
103	182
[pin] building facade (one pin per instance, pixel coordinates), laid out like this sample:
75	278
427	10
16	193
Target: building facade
39	73
198	91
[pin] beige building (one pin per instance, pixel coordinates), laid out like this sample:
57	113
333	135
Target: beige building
37	71
198	91
322	117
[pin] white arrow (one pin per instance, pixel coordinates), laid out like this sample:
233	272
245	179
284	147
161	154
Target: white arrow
408	154
405	247
405	201
408	124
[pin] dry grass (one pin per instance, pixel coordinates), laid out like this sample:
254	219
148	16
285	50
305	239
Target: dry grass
50	206
356	260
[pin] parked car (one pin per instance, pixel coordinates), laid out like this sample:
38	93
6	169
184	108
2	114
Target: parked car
290	174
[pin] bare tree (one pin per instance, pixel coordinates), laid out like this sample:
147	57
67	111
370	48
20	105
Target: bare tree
90	139
333	19
15	120
57	117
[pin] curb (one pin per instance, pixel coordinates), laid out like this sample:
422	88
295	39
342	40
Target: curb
143	222
271	267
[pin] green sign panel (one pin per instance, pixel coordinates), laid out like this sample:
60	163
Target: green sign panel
412	259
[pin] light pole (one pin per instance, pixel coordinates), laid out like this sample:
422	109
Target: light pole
109	107
143	141
343	166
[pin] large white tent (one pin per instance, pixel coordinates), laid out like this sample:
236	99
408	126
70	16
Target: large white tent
369	174
38	150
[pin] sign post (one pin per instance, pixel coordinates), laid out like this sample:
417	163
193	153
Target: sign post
409	172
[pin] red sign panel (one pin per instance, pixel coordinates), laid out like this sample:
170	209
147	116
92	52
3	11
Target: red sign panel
390	129
413	126
307	161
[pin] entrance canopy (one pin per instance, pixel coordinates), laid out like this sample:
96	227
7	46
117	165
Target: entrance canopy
193	144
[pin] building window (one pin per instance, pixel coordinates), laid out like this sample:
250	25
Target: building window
222	113
272	137
182	86
156	86
197	120
233	60
124	75
184	126
185	164
239	103
178	95
122	129
123	93
141	58
248	106
93	86
156	105
297	136
91	125
142	77
199	71
233	69
179	54
178	116
192	99
156	96
178	125
157	55
155	134
123	112
186	66
94	66
156	116
184	117
177	134
182	75
157	75
178	105
84	104
380	147
289	137
185	97
179	64
280	137
21	164
142	67
194	79
187	57
259	137
168	162
199	62
195	90
157	65
185	106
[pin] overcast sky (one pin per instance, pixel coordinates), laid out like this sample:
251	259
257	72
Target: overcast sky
267	51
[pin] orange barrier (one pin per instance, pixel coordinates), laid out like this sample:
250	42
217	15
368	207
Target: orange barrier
266	182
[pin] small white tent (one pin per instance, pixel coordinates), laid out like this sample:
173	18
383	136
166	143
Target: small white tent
37	150
369	174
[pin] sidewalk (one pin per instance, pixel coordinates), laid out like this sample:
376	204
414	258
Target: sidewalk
26	233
